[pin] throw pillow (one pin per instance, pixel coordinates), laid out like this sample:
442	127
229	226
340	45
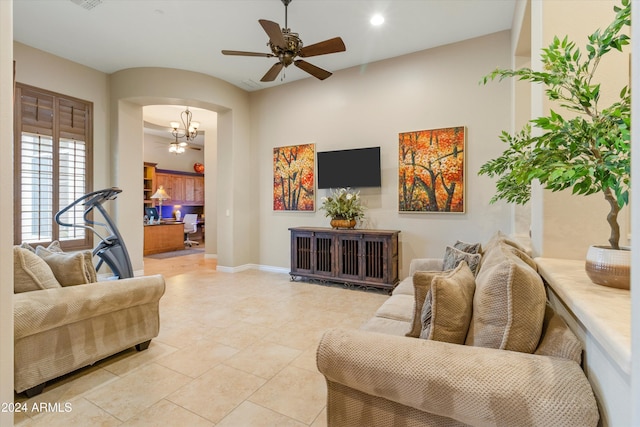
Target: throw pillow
508	305
470	248
421	285
92	274
69	268
453	257
500	237
30	272
25	245
54	246
448	306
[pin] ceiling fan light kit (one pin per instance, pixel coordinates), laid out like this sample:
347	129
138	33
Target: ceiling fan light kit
177	147
287	46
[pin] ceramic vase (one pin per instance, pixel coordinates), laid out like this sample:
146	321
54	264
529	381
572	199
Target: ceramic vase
609	267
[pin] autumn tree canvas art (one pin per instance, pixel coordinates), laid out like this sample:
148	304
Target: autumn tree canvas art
431	170
294	178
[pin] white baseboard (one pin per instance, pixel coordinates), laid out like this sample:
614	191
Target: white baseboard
273	269
237	269
246	267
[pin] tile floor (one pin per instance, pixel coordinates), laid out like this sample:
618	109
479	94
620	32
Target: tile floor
233	350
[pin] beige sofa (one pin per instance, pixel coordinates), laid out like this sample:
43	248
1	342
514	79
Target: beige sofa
515	364
60	327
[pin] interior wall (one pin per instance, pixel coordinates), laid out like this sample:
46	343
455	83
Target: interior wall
6	199
521	101
127	161
368	106
156	150
635	228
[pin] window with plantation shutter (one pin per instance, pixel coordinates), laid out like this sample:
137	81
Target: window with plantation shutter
53	166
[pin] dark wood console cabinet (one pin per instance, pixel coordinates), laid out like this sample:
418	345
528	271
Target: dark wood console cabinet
349	256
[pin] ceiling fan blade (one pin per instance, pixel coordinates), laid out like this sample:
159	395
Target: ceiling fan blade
316	72
273	31
241	53
322	48
272	73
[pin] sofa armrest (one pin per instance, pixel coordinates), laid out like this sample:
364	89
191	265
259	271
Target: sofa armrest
41	310
474	385
425	264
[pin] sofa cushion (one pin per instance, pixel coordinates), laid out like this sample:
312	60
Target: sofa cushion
421	285
386	326
447	308
30	272
74	268
405	287
557	340
453	257
508	305
398	307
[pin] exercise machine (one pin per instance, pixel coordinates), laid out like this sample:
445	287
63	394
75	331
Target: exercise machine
111	249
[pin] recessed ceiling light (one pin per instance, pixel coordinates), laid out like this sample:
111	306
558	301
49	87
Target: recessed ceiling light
377	20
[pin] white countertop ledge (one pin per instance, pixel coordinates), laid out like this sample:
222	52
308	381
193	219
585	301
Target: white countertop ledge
605	312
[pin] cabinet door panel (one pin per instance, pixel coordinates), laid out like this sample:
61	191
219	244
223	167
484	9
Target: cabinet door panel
177	188
189	189
349	256
199	190
323	249
301	253
375	259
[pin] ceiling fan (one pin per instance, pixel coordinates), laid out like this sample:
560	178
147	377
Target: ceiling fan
287	46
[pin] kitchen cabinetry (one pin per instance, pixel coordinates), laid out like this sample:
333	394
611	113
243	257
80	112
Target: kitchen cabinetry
184	188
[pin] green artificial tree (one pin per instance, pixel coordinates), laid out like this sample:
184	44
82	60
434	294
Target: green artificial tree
589	152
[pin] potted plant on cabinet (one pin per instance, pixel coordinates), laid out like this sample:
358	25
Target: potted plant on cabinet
588	151
344	207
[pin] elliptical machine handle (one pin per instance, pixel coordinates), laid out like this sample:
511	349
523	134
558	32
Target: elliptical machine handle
96	197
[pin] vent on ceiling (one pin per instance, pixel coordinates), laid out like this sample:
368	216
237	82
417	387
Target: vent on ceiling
87	4
251	83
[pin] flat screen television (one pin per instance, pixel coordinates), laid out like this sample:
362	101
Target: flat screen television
359	167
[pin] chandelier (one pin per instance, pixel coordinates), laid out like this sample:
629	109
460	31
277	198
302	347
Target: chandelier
177	147
189	129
